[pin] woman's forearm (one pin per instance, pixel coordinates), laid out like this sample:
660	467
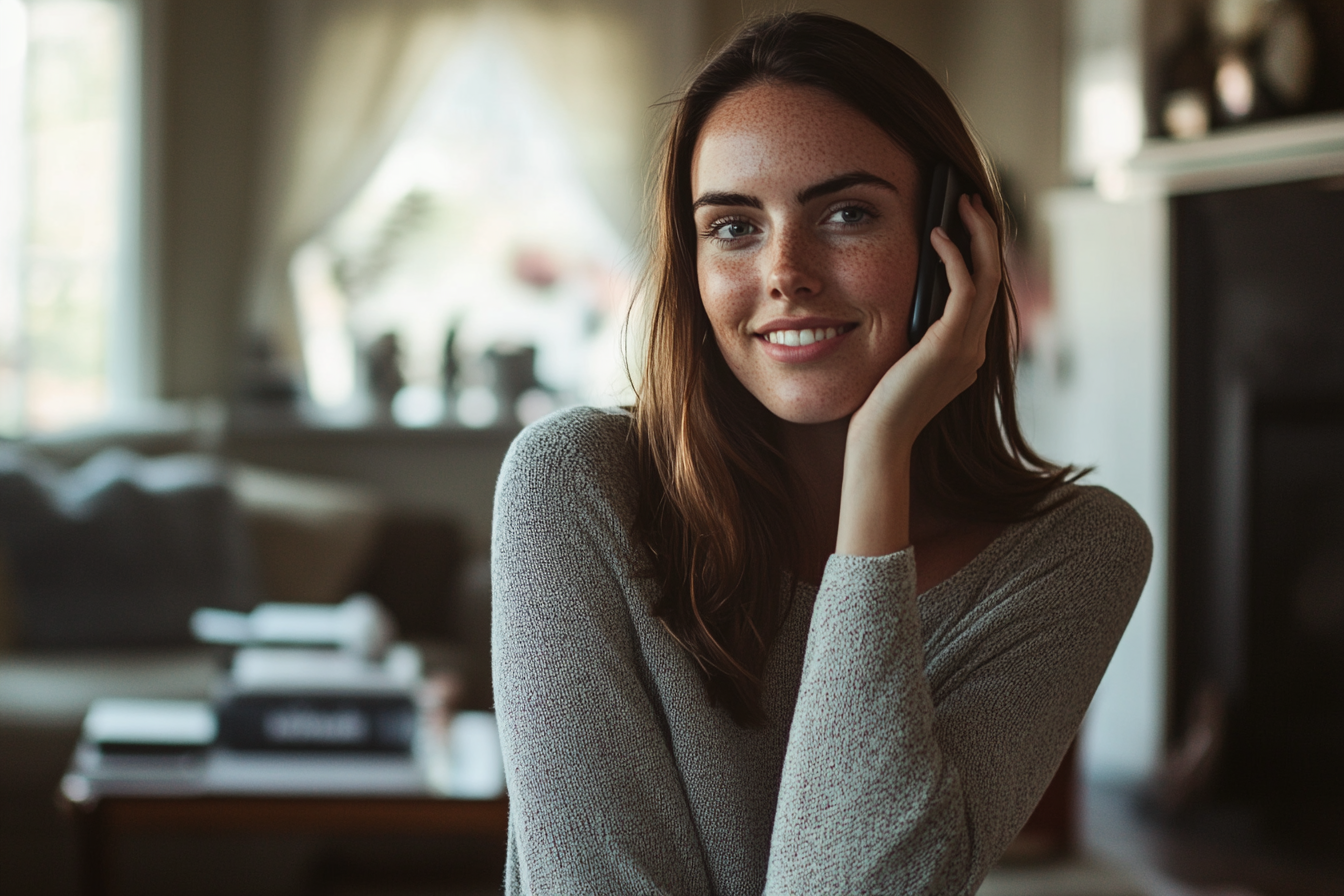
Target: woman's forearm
869	801
875	497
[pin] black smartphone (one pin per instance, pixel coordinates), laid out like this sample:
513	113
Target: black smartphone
931	287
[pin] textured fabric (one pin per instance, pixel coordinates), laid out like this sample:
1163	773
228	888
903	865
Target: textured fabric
909	737
120	551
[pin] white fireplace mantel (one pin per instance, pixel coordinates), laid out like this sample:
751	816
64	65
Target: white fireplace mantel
1303	148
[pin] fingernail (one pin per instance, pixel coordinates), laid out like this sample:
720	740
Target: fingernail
941	232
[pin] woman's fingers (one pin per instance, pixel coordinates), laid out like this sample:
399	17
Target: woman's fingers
962	287
947	360
970	302
971	299
984	252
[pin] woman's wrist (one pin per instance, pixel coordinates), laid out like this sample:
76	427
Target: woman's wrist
875	496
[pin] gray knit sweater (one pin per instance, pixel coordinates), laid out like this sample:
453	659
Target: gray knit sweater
909	737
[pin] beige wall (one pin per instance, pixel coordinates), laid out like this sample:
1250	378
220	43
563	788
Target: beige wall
210	70
1004	65
914	25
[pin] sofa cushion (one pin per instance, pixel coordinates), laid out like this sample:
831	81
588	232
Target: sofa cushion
311	536
119	551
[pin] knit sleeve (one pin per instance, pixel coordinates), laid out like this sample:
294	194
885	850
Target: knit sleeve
892	785
596	801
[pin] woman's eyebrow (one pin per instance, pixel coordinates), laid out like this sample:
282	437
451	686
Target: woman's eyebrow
826	187
727	199
843	182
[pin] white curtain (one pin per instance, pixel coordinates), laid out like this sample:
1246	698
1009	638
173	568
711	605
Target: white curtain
349	72
346	73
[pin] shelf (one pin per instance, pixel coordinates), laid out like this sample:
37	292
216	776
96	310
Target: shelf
1302	148
174	428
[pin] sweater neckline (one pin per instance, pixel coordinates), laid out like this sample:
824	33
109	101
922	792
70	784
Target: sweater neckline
995	548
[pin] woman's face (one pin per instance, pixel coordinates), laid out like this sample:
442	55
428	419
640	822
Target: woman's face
808	247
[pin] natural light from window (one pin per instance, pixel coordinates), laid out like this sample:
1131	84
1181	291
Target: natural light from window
62	114
477	227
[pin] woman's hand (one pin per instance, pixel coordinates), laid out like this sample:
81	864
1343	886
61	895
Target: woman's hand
875	498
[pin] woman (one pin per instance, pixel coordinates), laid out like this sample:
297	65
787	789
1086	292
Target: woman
811	617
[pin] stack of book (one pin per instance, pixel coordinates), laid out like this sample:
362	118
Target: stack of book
312	677
295	698
315	700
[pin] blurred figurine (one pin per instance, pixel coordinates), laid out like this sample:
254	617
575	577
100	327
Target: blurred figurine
1240	61
383	360
452	368
263	377
511	371
537	268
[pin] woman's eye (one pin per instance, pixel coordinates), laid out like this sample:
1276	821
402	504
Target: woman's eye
728	231
851	214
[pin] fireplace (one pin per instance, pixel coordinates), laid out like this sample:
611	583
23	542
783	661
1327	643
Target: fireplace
1257	499
1287	753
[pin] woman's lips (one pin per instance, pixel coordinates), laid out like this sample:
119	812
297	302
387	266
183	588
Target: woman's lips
802	341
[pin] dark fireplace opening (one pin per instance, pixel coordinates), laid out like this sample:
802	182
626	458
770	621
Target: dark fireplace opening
1285	743
1257	572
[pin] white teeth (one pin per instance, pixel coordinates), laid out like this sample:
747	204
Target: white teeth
800	337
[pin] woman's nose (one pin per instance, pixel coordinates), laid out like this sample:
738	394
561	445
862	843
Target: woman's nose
793	271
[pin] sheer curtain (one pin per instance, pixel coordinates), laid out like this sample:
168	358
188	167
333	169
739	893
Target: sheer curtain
346	75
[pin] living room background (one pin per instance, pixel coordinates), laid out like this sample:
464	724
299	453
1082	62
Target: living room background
267	172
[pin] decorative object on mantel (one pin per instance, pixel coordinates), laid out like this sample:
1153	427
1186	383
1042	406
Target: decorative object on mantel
382	360
1241	61
510	372
451	367
263	378
1186	81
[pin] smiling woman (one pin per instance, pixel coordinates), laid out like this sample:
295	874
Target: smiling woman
718	666
782	256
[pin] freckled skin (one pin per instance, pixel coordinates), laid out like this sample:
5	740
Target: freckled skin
850	255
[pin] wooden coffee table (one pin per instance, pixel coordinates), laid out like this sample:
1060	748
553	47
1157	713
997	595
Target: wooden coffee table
456	791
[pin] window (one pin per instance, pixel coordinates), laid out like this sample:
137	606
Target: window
63	140
478	230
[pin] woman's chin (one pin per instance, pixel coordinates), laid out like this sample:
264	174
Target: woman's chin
806	413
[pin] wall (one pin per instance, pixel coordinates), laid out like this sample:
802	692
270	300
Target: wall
918	26
1004	64
210	91
1110	411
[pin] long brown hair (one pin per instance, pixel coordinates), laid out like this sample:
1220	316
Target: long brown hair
715	513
